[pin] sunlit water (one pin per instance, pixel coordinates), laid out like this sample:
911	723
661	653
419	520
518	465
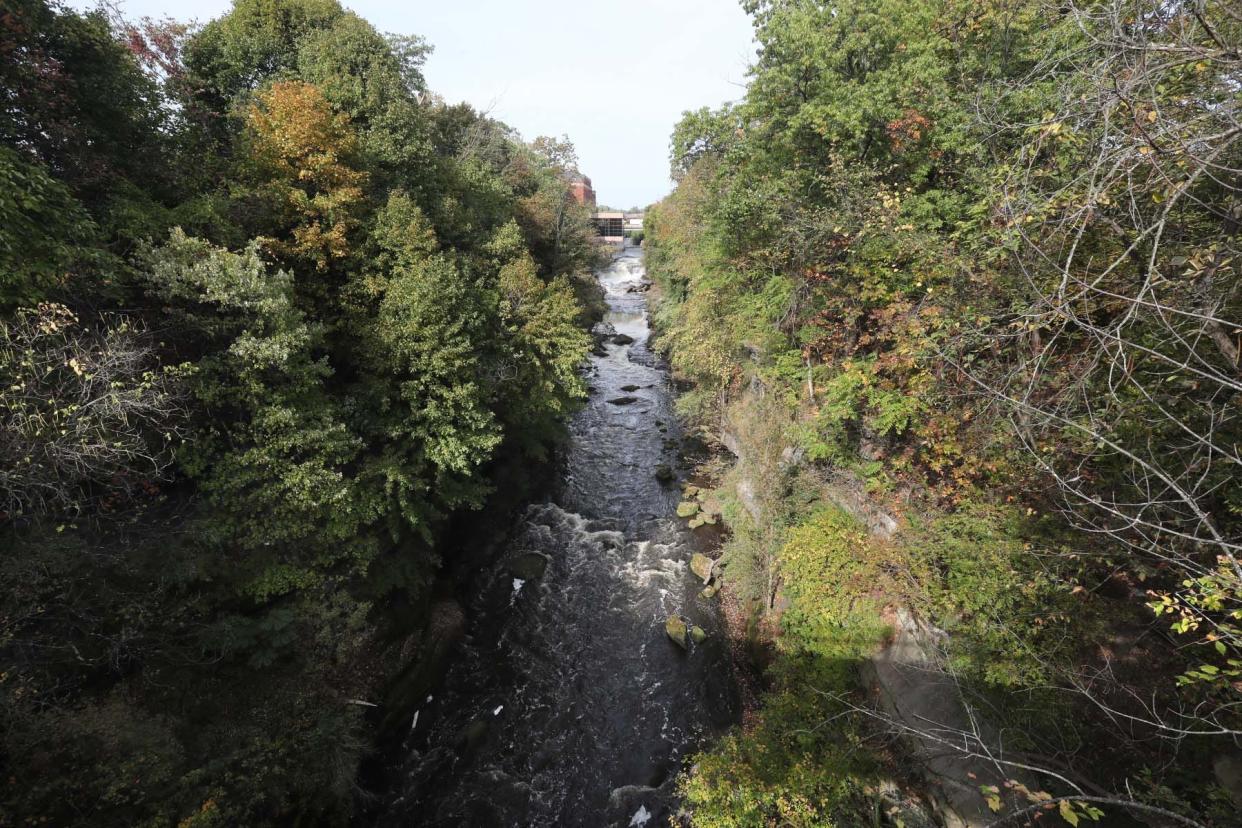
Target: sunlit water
568	704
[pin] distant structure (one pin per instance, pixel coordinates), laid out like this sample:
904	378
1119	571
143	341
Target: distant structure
615	225
580	186
610	224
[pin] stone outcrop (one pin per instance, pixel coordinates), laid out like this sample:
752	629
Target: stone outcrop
677	630
927	704
702	566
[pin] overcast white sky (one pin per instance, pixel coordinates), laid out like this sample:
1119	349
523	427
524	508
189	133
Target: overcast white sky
614	77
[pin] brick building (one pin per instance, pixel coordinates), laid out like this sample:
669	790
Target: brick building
580	185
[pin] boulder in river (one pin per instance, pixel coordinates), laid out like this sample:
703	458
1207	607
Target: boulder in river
623	339
702	566
665	474
677	630
708	592
529	566
687	509
629	388
698	634
622	400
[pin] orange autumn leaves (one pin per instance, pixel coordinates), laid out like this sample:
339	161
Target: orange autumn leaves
299	148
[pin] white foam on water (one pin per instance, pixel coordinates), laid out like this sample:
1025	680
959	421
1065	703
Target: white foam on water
641	817
518	583
496	712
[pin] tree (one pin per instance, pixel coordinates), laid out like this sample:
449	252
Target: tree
86	415
268	326
300	150
1123	367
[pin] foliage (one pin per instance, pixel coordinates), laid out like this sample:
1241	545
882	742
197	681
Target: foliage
273	317
300	149
1010	615
85	415
981	256
41	228
789	767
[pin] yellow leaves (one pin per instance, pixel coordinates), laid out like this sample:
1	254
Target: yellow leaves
1152	117
299	144
293	124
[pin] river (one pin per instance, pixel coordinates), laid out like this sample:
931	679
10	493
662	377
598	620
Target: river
568	704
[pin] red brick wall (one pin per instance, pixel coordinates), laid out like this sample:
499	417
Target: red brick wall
582	191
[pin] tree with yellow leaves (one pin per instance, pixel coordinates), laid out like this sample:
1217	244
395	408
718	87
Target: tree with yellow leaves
299	148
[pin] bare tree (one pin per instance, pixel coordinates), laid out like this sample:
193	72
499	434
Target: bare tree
1121	370
83	413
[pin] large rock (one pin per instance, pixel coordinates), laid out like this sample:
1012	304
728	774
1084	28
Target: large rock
698	634
677	630
746	494
665	474
1227	767
623	339
702	566
622	400
427	657
687	508
848	491
911	689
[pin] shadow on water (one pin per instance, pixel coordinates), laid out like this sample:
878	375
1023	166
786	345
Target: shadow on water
567	704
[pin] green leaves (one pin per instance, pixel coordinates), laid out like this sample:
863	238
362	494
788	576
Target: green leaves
230	496
44	231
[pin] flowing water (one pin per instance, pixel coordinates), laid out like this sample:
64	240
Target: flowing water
568	704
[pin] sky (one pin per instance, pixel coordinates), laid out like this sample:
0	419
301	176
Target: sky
614	77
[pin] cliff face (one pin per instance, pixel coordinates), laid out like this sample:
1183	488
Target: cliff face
947	749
